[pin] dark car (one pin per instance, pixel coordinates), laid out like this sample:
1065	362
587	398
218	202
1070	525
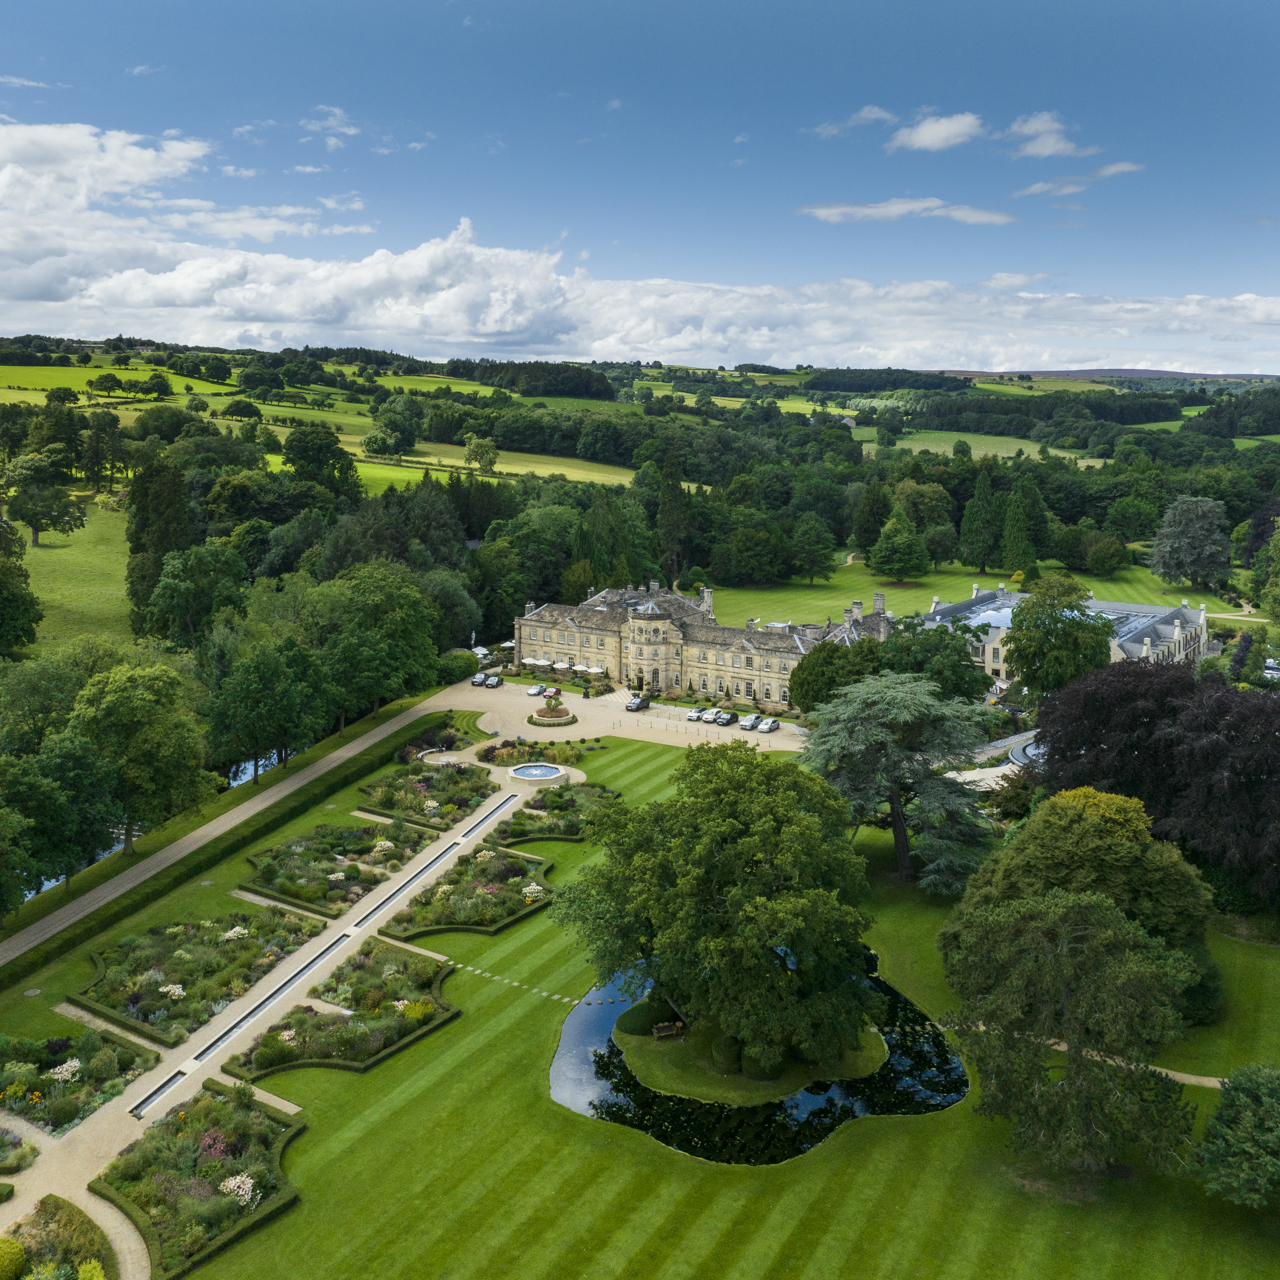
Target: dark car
727	718
638	703
478	679
493	682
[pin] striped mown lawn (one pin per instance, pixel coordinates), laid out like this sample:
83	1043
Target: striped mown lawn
451	1160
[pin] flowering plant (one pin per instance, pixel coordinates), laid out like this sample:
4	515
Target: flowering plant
235	934
532	891
173	989
286	1037
66	1073
383	846
336	877
241	1188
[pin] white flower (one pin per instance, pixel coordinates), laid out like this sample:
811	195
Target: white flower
484	855
66	1073
532	890
336	876
443	891
383	846
176	929
181	955
286	1037
389	970
400	1004
241	1187
173	989
234	935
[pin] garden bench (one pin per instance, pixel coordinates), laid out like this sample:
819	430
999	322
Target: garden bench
667	1029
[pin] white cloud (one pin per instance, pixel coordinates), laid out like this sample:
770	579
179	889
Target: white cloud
1073	184
244	130
742	137
308	168
1045	135
337	229
334	121
1012	280
584	254
418	146
906	207
230	171
91	244
868	114
347	203
17	82
937	133
143	69
614	104
334	144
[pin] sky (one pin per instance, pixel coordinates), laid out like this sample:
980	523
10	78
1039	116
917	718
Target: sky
989	186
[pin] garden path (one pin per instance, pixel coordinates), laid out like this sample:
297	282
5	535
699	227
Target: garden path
58	920
66	1165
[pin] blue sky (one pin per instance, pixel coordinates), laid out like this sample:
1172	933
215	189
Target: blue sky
741	146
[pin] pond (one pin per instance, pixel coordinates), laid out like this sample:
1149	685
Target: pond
531	771
589	1075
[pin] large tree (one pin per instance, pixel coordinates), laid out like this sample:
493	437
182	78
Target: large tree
1192	543
192	587
46	509
260	706
20	611
813	548
737	899
942	654
979	528
886	743
1240	1154
19	875
829	666
1062	1003
135	720
315	453
873	511
899	552
1055	637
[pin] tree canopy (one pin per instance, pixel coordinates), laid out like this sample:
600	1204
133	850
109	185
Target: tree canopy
1054	637
1239	1156
737	899
1192	543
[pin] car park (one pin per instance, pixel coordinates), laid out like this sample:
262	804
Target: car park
709	715
694	714
768	725
752	721
726	718
537	690
638	703
478	679
493	682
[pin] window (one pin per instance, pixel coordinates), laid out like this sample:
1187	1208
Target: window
702	684
785	698
626	673
720	686
737	689
600	642
782	666
768	692
702	657
995	655
546	635
737	661
675	679
626	648
559	637
767	667
749	693
719	659
676	651
750	662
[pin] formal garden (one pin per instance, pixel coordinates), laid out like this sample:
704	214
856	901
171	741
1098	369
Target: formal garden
200	1171
55	1083
556	812
435	795
57	1241
508	752
381	978
172	979
331	867
482	890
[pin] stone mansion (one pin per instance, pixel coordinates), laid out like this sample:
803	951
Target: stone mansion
671	640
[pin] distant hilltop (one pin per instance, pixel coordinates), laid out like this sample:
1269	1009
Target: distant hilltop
1087	375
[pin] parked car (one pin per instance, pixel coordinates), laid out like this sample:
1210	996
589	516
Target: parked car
726	718
478	679
638	703
493	682
537	690
695	713
768	724
752	721
553	692
709	715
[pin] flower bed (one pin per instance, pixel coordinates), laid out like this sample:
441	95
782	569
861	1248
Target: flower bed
55	1083
510	753
380	978
553	811
543	722
61	1242
16	1153
485	890
201	1175
329	869
438	794
175	979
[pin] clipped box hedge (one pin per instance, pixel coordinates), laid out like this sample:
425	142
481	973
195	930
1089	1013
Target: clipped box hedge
216	850
285	1197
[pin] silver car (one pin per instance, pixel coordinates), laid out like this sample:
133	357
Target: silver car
709	715
694	714
768	725
537	690
752	721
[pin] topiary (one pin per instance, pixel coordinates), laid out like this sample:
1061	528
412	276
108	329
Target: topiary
726	1055
104	1065
13	1259
63	1111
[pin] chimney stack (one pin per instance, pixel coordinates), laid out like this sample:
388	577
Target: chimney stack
856	610
1002	586
528	607
877	602
1146	647
975	592
934	609
653	585
1202	613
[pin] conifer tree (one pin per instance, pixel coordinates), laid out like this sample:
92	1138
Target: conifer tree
979	534
1018	548
900	551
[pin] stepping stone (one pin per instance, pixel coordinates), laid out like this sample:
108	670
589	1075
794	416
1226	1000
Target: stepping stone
610	999
32	991
206	882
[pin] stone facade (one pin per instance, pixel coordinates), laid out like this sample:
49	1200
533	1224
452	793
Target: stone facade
1146	633
671	640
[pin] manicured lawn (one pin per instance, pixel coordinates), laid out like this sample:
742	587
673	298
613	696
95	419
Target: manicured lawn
798	601
79	580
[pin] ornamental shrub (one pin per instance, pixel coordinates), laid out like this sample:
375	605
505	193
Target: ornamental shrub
104	1065
63	1111
726	1055
13	1259
1240	1154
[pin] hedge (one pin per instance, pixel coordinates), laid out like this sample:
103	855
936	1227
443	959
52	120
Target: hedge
445	1016
286	1195
216	850
329	910
6	1191
541	723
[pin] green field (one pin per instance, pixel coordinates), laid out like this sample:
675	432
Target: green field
797	601
79	580
1001	446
